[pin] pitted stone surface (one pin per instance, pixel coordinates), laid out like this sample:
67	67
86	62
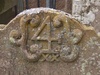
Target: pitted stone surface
44	41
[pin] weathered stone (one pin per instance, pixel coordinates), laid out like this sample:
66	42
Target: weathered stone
85	10
45	41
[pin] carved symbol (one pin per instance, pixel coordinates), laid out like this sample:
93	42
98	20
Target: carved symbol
71	53
49	39
41	28
55	57
69	56
35	22
57	21
45	56
50	57
34	52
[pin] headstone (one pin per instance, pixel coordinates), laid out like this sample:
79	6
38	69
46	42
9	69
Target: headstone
44	41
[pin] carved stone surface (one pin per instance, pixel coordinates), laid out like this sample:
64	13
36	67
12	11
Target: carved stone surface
44	41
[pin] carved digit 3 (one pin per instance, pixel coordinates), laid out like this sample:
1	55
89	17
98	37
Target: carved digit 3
69	54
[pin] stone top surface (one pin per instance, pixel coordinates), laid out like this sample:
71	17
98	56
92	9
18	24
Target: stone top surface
37	10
